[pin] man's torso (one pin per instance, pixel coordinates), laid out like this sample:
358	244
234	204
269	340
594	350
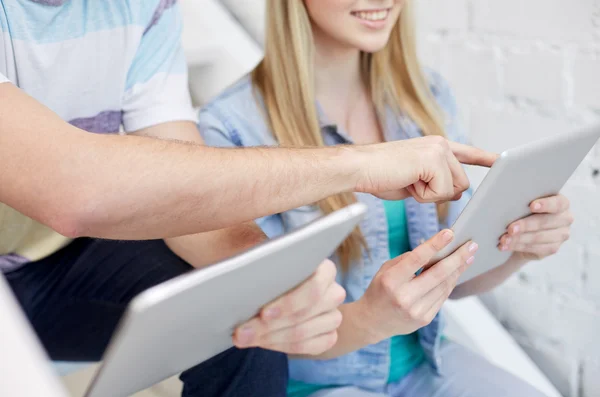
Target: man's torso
77	58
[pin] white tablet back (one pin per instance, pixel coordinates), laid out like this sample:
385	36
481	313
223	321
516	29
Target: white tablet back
187	320
518	177
25	368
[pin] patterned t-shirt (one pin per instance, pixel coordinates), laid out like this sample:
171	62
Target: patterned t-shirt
100	65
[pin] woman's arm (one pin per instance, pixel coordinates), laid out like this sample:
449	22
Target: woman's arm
489	280
352	334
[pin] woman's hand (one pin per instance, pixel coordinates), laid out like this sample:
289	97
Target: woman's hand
398	302
541	234
303	321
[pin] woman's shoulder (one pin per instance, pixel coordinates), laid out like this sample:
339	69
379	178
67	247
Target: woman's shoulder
238	110
239	93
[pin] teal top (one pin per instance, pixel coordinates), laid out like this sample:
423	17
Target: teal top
405	353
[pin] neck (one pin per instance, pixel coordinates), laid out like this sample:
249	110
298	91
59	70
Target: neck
337	71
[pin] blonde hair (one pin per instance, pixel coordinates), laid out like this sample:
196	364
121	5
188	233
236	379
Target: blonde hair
285	80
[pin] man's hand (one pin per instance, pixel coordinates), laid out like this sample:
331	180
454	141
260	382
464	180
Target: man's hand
434	172
303	321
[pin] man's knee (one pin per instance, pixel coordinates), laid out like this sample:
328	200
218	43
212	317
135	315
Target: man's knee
238	372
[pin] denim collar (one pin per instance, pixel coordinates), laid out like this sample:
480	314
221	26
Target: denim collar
395	126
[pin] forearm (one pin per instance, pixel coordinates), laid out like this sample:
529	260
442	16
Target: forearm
489	280
204	249
353	333
129	187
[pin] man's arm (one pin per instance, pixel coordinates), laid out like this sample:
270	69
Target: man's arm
206	248
129	187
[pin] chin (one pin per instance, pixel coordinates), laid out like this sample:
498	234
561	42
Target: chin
372	47
371	43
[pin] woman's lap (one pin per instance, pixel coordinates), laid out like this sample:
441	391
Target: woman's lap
346	392
463	374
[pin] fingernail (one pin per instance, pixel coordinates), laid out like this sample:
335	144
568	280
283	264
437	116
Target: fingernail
473	247
272	313
508	240
470	260
504	248
516	229
447	236
537	206
246	335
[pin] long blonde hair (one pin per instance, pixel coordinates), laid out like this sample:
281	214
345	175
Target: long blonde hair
285	80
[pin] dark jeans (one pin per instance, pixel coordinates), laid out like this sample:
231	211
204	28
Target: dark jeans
75	298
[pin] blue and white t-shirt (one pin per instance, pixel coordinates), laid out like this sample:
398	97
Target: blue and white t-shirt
98	64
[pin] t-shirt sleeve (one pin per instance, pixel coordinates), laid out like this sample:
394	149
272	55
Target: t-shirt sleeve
157	81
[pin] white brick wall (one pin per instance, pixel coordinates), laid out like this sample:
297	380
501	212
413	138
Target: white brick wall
521	70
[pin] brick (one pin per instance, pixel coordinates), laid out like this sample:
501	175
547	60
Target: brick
554	20
430	52
561	273
498	130
586	85
584	205
592	273
577	322
523	76
521	71
559	365
526	311
590	378
471	71
436	15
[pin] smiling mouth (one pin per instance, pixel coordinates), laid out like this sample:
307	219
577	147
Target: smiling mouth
375	15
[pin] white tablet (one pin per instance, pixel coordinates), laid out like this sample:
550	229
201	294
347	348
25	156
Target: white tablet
518	177
189	319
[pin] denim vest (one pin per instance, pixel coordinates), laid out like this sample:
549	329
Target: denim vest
236	119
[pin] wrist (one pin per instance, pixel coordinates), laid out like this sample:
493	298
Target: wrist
364	326
352	161
517	260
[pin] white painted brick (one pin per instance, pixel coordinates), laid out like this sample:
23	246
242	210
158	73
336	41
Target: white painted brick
577	323
540	19
561	273
560	366
585	207
526	311
592	273
430	52
590	379
586	85
435	15
534	75
471	71
523	70
499	130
